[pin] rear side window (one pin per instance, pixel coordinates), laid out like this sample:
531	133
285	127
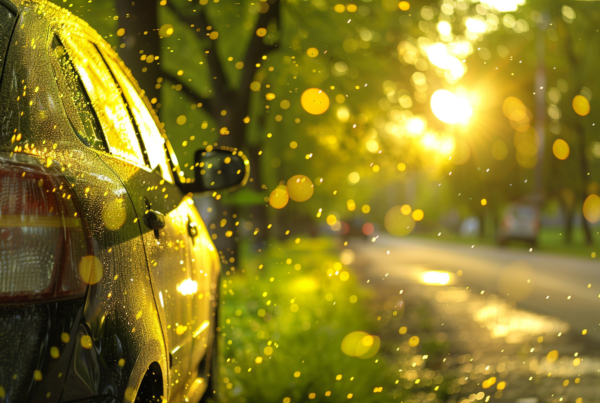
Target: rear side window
7	21
107	100
75	100
153	141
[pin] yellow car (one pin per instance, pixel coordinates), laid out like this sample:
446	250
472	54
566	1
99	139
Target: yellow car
108	276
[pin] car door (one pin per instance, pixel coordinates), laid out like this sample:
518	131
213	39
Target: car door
147	178
197	253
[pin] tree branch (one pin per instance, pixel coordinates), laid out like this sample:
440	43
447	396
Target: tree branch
257	46
200	20
207	103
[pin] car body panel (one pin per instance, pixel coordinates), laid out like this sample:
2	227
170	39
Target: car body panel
121	314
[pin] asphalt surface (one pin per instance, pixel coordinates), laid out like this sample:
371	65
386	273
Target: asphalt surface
564	287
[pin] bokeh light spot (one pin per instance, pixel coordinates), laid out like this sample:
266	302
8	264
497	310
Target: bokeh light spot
581	105
165	31
397	223
261	32
591	208
300	188
90	269
353	178
418	215
314	101
114	214
279	197
312	52
560	149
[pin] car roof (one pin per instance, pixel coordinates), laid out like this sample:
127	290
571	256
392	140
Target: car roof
61	20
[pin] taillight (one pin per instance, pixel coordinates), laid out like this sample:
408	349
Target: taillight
44	244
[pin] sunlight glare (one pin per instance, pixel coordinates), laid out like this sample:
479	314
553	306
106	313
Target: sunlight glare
449	108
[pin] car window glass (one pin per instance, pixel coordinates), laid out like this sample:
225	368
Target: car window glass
107	101
7	20
149	132
75	100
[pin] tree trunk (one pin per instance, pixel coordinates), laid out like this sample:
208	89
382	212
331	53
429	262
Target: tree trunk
139	19
481	223
568	214
589	240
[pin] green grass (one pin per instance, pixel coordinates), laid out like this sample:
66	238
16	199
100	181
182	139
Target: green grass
294	318
281	328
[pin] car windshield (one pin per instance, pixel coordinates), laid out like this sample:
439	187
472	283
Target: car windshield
372	200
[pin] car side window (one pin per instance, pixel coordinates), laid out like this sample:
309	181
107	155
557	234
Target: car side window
75	100
151	137
106	98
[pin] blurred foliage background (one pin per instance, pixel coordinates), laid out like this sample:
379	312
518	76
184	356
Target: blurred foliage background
233	73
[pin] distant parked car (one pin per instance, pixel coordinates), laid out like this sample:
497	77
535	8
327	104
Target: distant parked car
520	222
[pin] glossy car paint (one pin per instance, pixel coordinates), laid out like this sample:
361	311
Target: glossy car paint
156	296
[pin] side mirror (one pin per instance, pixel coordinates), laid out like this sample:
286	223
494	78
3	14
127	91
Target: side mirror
218	169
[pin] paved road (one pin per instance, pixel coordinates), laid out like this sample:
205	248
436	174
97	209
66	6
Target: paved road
543	283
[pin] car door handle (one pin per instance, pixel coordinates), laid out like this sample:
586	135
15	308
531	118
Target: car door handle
154	220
